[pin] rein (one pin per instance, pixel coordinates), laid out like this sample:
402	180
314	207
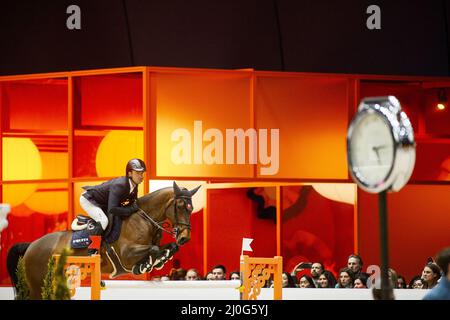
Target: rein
144	215
174	232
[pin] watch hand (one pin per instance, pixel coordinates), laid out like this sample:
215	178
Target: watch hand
376	149
379	147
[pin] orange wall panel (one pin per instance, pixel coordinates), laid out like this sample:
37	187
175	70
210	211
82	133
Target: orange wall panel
312	115
218	102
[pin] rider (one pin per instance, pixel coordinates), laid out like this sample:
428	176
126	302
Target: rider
110	196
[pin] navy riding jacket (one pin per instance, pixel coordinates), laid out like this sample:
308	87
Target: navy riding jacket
111	194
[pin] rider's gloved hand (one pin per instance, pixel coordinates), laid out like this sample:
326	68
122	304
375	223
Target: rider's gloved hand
134	206
125	211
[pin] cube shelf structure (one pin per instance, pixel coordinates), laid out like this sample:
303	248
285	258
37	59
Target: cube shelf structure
293	194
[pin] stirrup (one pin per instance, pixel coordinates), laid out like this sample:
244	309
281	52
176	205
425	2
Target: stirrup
92	251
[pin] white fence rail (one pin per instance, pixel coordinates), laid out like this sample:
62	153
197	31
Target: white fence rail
216	290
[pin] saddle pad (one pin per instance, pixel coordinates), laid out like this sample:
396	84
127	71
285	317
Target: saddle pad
80	239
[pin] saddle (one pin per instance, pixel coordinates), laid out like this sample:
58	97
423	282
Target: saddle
85	233
81	223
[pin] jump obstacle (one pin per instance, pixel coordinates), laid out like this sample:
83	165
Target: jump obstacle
78	268
254	272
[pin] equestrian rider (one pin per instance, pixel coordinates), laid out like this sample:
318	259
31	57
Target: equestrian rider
110	196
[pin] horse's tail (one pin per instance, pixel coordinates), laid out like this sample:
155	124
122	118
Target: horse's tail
14	254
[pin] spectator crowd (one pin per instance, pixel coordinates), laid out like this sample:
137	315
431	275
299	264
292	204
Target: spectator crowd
315	275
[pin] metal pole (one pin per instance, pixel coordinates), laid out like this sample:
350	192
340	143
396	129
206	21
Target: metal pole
386	287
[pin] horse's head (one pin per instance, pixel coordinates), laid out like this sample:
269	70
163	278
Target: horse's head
181	214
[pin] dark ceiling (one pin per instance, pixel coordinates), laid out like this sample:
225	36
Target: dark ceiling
286	35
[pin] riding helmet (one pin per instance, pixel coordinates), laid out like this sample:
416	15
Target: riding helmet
136	165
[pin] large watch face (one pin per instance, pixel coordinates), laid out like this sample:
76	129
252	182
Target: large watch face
371	149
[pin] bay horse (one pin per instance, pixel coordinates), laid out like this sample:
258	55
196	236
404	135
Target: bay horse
139	239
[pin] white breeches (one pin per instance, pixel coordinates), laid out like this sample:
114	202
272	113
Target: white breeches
94	212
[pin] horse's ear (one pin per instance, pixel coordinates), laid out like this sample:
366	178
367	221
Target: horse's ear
176	188
193	191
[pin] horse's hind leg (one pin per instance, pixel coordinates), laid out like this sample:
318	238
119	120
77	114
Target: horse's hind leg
36	262
37	257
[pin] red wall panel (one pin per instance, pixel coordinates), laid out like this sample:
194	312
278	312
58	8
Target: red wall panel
418	226
109	100
231	217
35	105
315	229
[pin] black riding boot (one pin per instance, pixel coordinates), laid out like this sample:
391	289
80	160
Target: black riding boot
95	228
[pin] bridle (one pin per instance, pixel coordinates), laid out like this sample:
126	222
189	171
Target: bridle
165	226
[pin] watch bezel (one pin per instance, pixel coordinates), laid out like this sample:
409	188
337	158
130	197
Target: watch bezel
389	109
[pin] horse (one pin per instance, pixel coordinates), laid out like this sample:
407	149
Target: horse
138	242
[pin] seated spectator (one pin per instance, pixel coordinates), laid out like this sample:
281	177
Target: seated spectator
442	290
392	276
209	276
287	280
326	280
192	275
235	275
346	278
306	282
317	269
177	274
355	263
269	282
360	281
401	282
431	274
219	272
417	283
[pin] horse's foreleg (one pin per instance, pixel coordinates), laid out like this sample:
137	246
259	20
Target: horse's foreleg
138	258
164	255
154	258
136	252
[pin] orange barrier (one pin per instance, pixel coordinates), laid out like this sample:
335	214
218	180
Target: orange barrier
77	268
256	271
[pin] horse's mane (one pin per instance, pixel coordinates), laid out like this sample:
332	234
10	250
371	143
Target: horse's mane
149	196
166	192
